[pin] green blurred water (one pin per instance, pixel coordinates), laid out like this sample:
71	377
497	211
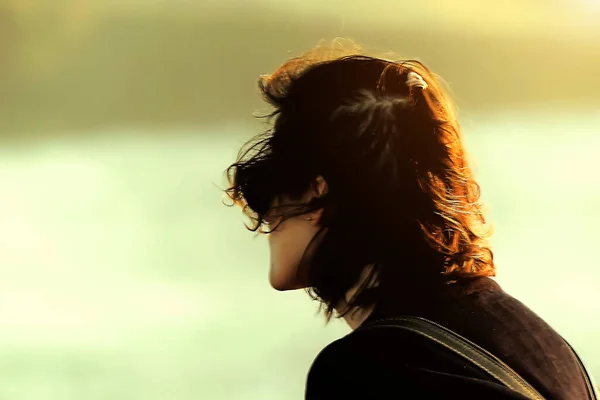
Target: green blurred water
124	277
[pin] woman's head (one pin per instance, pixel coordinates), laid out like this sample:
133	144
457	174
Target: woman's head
363	166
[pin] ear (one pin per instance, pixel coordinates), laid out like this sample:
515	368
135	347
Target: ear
319	187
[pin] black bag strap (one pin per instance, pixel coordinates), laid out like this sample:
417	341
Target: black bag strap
470	351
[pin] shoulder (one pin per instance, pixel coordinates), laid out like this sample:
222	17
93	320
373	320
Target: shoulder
362	364
331	360
354	351
371	366
366	351
336	371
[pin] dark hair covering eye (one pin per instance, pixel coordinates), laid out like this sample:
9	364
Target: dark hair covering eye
401	196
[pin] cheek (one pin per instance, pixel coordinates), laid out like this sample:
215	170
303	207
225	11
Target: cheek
287	246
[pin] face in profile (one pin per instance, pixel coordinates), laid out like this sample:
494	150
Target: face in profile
289	242
287	247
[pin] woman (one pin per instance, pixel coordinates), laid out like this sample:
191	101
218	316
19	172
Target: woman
364	190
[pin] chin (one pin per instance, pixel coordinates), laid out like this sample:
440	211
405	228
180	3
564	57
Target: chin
280	288
283	286
284	283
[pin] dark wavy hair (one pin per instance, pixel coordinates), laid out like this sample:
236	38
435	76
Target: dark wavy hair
401	196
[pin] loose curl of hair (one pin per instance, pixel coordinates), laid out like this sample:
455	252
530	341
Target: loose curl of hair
401	196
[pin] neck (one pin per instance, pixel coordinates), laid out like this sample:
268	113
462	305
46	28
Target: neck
355	316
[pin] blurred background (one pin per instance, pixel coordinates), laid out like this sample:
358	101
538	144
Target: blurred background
122	274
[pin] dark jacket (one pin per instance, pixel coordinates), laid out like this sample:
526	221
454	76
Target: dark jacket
392	364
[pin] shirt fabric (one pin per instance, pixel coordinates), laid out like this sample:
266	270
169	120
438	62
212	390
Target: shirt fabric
389	363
